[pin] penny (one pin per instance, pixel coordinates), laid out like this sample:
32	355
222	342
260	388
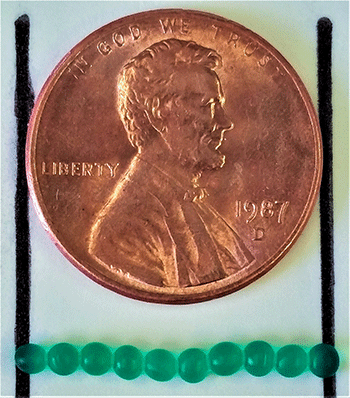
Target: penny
174	156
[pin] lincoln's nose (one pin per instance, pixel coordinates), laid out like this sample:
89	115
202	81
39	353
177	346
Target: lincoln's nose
223	121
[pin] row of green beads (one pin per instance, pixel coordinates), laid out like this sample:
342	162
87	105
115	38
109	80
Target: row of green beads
193	365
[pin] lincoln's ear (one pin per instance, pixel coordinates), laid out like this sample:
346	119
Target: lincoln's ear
155	114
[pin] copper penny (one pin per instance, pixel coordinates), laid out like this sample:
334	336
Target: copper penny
174	156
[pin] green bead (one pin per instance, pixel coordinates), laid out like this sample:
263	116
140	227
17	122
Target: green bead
63	359
96	359
324	360
193	366
225	359
291	361
259	358
30	358
160	365
128	362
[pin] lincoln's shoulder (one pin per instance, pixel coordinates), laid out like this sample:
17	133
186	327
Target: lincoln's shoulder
136	197
134	213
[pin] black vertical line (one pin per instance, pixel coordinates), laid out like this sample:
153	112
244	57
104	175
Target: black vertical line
324	57
24	101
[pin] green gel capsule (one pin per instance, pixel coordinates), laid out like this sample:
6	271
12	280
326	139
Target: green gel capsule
193	366
259	358
127	362
225	359
96	359
63	359
30	358
160	365
324	360
291	361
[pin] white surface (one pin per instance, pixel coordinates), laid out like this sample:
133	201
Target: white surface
283	307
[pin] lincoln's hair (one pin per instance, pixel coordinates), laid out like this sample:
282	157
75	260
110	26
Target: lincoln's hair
147	81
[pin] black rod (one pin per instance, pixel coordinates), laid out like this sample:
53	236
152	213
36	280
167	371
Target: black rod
324	58
24	101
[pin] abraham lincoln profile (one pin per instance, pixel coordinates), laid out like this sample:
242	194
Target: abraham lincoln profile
156	226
